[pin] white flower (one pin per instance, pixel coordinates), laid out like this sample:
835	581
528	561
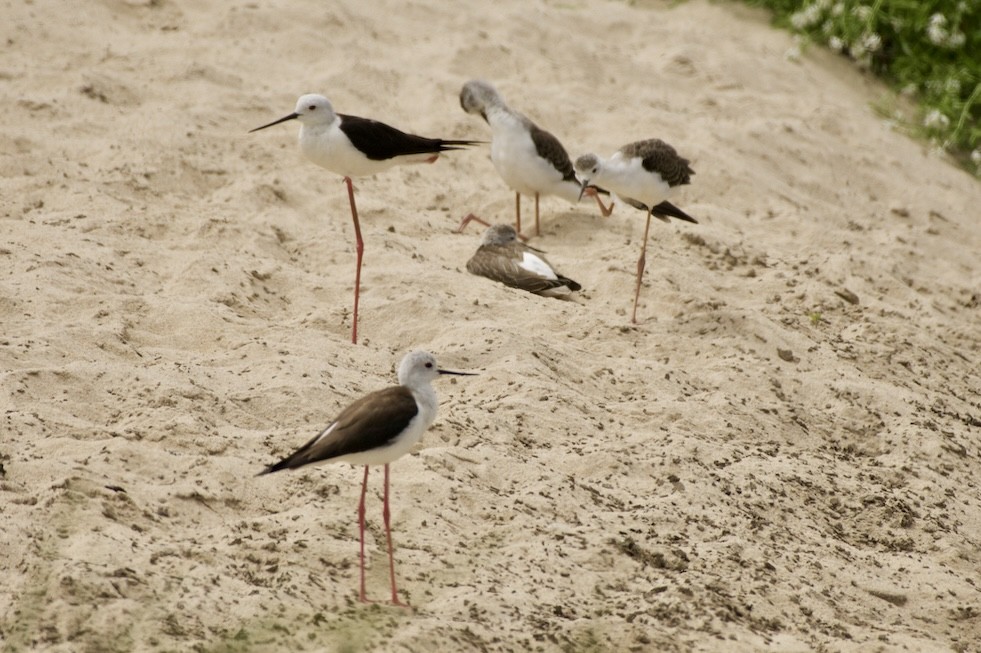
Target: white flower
806	17
955	40
838	9
862	12
938	19
976	156
952	86
936	119
871	41
936	33
836	44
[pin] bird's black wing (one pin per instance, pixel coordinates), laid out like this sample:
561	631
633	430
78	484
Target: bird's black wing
659	157
667	209
550	149
380	142
663	211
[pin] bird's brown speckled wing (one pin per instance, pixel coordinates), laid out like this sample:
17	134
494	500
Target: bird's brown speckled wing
657	156
550	149
499	263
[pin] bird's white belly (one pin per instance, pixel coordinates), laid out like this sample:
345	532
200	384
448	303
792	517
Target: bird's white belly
391	453
426	400
517	161
632	181
559	291
332	150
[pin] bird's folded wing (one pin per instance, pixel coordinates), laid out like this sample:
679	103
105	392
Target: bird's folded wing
371	422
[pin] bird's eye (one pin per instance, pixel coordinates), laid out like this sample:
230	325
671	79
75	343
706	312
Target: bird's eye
312	107
429	365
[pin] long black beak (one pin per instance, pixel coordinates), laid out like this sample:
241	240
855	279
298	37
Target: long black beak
292	116
458	373
585	183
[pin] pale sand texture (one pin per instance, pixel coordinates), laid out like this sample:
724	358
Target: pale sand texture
175	298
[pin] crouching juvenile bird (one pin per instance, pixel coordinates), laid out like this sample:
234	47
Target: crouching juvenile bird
502	257
377	429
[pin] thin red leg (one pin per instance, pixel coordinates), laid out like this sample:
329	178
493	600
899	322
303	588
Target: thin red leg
604	210
360	251
467	220
641	263
517	212
537	230
388	533
364	491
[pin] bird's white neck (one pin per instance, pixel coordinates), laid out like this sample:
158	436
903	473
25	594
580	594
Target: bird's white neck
501	117
425	397
314	130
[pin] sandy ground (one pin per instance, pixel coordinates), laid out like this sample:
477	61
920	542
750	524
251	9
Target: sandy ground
782	456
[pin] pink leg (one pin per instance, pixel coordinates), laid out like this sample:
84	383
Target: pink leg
606	211
388	533
364	491
517	212
467	220
360	251
641	263
537	230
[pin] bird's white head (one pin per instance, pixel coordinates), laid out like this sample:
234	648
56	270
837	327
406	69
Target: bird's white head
588	167
477	96
313	109
420	368
417	367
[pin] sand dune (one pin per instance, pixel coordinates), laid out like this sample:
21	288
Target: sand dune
781	456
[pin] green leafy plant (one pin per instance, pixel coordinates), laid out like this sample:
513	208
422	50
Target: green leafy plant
928	50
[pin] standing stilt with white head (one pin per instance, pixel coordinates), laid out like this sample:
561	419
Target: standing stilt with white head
353	147
377	429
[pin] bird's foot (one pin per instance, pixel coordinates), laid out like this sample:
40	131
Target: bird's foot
604	210
467	220
400	604
395	602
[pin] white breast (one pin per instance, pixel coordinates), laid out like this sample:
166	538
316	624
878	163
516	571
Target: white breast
517	161
330	148
628	178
